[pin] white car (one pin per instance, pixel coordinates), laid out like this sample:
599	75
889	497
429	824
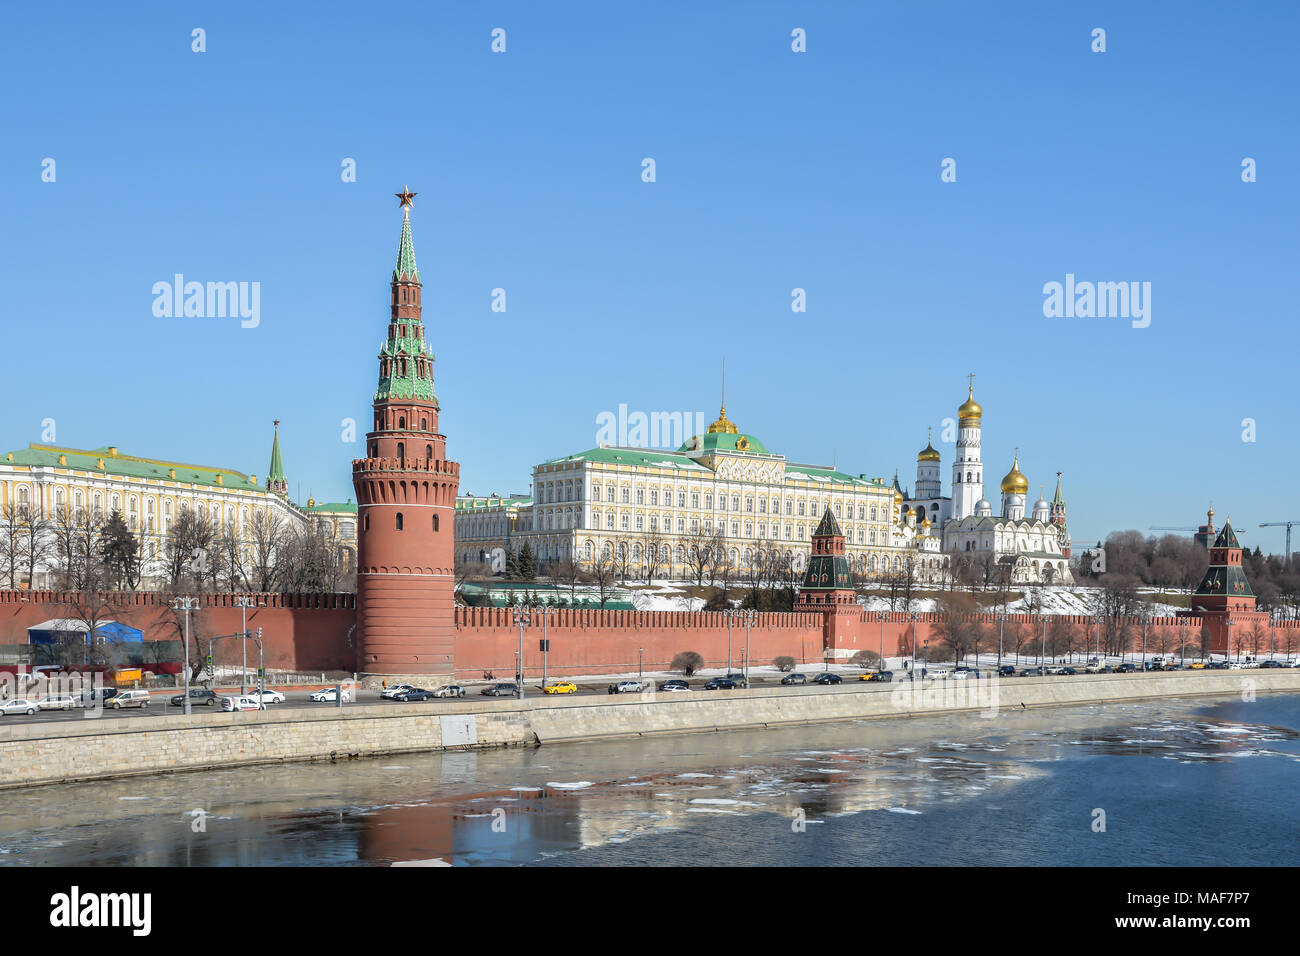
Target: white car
937	675
267	696
1236	666
19	705
390	693
450	690
59	702
328	696
1094	667
241	703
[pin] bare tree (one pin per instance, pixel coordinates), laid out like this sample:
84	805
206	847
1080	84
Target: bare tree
266	533
602	575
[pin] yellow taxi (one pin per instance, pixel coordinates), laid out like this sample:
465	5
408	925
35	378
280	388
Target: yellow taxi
1198	665
561	687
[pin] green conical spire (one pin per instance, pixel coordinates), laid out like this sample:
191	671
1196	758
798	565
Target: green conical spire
275	478
406	269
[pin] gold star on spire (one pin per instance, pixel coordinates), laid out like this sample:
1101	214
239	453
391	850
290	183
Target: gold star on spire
406	196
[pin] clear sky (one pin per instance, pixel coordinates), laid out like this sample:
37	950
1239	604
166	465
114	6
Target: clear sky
775	170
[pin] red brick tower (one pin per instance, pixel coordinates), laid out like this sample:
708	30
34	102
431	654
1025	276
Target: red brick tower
1224	599
406	493
828	589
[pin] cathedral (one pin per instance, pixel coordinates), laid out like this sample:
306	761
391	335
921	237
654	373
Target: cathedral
1036	547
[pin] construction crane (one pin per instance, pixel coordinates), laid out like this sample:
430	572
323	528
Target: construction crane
1187	529
1286	558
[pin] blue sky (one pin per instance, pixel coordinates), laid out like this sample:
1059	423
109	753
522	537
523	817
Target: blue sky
775	170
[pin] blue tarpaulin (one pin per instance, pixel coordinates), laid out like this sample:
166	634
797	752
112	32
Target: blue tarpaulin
60	629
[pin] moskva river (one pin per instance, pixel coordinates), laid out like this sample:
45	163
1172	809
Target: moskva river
1166	782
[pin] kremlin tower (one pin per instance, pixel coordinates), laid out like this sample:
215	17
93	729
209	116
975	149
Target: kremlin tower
406	495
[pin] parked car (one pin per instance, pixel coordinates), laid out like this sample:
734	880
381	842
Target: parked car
1217	665
561	687
1006	670
59	702
1094	666
1068	672
267	696
503	689
674	684
1271	663
826	677
415	693
795	678
1198	665
739	677
879	677
129	698
449	690
721	683
242	702
104	694
198	695
965	673
390	693
1291	663
627	687
1124	668
1249	662
1153	665
19	705
1032	672
330	696
939	673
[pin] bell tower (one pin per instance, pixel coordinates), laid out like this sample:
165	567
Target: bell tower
406	495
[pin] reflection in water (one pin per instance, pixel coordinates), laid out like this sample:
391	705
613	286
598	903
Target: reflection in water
868	789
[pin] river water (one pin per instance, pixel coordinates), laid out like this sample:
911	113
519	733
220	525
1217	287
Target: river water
1160	782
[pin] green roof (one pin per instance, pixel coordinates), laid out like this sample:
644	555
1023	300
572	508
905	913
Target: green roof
277	466
828	526
826	572
406	269
130	466
646	457
475	504
348	506
737	442
1227	537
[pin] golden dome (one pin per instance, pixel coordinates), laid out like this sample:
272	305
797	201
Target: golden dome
1015	483
970	410
925	523
722	425
928	453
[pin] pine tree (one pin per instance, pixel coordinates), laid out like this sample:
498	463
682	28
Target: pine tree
527	563
512	565
120	551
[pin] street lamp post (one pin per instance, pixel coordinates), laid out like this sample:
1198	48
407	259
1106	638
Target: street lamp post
244	602
1002	620
521	618
750	615
731	612
545	612
882	641
640	670
187	604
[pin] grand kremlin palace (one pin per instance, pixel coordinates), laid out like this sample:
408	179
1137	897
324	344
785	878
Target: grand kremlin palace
721	484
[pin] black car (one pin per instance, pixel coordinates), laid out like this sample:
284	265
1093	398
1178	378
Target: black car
674	683
721	683
1069	670
794	679
198	696
508	689
1270	663
1006	670
1153	665
415	693
1032	672
882	676
828	678
1217	665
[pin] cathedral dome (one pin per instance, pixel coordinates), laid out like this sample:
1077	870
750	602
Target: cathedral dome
970	410
1015	483
983	508
928	453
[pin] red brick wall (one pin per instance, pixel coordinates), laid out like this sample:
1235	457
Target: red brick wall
595	641
306	632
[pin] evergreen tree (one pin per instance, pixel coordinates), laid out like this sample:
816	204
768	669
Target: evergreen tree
512	565
527	563
119	549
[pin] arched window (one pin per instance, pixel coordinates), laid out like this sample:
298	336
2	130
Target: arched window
401	449
399	521
401	421
428	451
424	424
435	522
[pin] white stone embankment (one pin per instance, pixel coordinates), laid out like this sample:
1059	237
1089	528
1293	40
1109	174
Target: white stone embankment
64	751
